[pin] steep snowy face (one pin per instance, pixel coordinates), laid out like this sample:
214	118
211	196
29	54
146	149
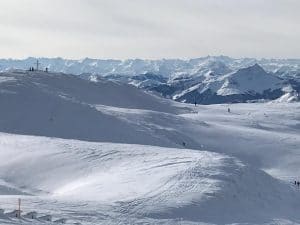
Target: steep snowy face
201	68
253	82
218	67
249	80
288	97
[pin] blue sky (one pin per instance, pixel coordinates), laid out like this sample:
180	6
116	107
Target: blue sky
149	28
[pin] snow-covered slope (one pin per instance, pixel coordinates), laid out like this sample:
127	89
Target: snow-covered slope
64	106
61	105
239	171
130	182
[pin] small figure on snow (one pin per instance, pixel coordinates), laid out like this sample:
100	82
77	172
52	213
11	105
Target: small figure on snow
183	144
228	110
298	183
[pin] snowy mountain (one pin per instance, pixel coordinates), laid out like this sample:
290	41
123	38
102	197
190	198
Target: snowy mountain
245	84
178	79
206	80
170	68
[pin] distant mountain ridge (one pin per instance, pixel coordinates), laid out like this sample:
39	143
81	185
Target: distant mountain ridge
206	80
165	67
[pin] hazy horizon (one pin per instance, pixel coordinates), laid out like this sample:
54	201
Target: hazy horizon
150	59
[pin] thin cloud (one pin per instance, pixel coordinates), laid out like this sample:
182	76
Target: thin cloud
149	29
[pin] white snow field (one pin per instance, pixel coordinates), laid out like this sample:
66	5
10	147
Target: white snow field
104	153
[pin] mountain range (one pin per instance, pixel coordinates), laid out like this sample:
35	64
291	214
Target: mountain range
206	80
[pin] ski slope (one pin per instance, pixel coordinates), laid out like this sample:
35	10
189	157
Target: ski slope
140	181
60	105
89	153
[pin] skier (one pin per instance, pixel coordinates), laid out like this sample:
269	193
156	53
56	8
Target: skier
228	110
295	182
195	103
183	143
298	183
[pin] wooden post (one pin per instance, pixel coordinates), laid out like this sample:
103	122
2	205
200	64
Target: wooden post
19	203
37	65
